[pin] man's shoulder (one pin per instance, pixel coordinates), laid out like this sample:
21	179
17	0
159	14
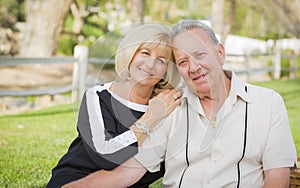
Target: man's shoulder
264	94
258	88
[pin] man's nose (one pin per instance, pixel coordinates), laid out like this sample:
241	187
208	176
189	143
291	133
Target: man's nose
194	65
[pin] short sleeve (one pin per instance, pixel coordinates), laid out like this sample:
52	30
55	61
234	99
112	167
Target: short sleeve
280	148
153	150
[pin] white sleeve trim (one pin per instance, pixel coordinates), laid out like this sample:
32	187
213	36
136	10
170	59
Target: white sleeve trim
98	130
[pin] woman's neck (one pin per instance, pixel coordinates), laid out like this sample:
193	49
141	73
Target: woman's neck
132	91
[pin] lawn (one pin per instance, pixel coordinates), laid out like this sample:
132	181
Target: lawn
31	143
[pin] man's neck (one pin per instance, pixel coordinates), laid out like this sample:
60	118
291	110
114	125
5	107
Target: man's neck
212	104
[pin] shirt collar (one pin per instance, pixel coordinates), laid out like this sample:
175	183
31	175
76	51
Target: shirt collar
191	98
237	89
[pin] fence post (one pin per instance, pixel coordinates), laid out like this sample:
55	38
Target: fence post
276	64
293	65
79	70
248	65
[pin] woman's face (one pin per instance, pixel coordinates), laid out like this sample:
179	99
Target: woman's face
148	66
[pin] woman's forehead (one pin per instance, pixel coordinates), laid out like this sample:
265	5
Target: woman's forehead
160	48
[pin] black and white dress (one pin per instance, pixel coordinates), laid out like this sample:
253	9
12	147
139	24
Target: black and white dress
104	139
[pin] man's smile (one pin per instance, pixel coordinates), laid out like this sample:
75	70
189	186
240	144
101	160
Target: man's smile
200	77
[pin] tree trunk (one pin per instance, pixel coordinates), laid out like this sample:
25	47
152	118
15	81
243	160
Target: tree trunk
136	8
217	19
229	20
78	21
220	22
44	24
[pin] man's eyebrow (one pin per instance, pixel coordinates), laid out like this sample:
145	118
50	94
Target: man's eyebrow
195	52
180	59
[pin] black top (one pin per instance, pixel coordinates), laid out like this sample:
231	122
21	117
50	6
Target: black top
104	139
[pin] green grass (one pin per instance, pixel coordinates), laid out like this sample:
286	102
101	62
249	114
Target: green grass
32	143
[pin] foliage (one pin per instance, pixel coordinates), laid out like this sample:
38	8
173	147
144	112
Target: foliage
252	18
105	46
67	44
286	56
91	28
15	7
32	143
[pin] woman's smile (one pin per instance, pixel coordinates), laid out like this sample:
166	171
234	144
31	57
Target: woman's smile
145	72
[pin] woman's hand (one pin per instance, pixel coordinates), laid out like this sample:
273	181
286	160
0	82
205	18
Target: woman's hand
161	106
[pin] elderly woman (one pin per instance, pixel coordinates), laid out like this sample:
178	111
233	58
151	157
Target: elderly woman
116	117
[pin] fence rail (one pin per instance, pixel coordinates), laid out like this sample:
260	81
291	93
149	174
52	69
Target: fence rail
37	92
80	61
51	60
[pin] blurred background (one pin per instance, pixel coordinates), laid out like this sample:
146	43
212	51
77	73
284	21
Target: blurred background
51	50
31	28
261	38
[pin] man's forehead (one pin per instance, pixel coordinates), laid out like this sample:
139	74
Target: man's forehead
190	46
190	37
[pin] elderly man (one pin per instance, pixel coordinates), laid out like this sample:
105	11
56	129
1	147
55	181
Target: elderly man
226	133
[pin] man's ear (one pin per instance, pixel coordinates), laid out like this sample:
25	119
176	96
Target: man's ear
221	52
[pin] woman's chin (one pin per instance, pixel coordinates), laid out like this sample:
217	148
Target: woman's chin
148	81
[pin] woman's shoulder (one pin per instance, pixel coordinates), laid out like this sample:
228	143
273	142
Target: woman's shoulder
98	91
101	87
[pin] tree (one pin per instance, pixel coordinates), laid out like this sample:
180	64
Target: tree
136	8
44	24
222	22
281	18
288	15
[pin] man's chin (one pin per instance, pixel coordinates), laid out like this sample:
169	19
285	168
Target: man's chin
201	90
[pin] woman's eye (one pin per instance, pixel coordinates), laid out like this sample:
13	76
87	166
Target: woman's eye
145	52
162	60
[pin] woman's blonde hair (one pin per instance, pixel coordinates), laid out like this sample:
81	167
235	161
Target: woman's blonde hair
150	36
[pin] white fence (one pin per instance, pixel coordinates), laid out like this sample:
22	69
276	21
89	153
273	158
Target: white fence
241	64
78	85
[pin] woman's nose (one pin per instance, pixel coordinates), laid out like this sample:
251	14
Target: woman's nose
150	62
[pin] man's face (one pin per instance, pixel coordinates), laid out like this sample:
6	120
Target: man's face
199	61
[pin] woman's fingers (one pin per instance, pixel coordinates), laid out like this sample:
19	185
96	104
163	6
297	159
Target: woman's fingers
169	100
163	104
173	94
178	94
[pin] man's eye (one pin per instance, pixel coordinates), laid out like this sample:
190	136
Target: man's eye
182	63
200	55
